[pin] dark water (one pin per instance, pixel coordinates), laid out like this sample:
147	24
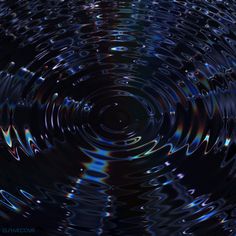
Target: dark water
117	117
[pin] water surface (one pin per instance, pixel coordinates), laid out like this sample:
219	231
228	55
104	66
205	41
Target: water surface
118	117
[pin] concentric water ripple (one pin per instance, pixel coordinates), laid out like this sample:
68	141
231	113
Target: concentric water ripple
117	117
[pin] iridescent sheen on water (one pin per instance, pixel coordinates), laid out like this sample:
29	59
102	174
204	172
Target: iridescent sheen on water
118	117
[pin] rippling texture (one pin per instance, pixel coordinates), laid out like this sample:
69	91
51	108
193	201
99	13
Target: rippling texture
118	117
